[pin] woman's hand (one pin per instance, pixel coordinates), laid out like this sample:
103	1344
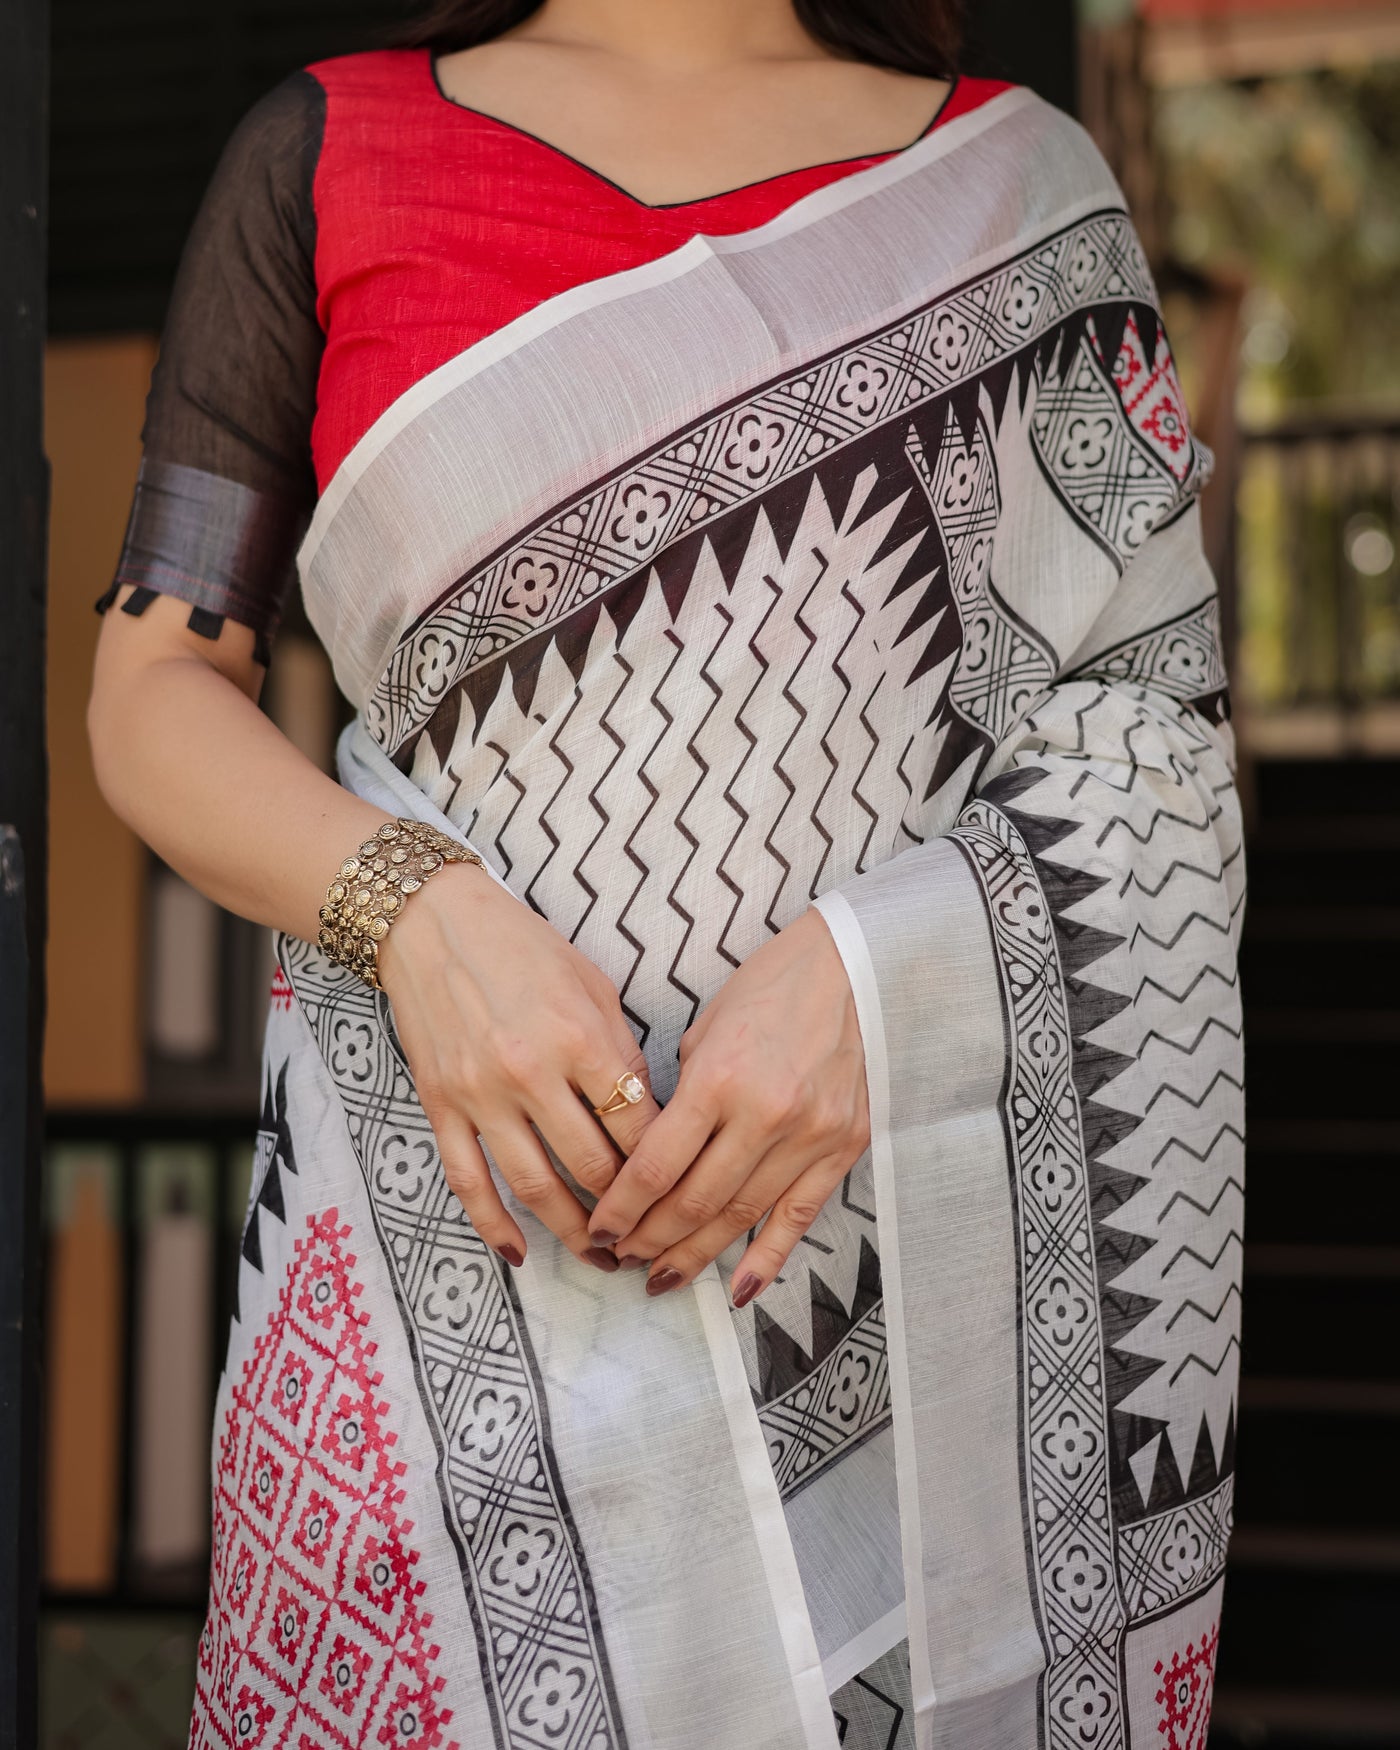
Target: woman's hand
502	1022
504	1025
769	1115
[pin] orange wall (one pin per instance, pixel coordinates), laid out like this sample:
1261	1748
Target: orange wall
94	399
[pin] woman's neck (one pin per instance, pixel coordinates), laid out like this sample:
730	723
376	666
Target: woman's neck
694	36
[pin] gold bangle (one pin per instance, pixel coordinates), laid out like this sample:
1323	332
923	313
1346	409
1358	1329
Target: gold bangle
369	889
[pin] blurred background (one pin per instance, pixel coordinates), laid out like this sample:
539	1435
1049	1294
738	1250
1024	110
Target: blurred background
1258	142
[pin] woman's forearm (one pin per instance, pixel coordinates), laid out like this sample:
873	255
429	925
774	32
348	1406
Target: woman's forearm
502	1021
185	757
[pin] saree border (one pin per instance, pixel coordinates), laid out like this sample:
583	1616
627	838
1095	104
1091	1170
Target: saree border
1152	1583
1180	656
1071	1559
512	1499
766	1514
804	1438
596	539
850	942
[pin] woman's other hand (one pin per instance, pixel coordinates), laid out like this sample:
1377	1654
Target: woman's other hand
769	1115
504	1024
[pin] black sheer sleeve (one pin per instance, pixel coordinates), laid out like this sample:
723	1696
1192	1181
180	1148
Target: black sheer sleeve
226	484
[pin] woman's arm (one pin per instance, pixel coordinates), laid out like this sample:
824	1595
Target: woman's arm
502	1021
189	762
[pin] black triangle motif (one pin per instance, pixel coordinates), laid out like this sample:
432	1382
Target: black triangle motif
251	1248
782	1361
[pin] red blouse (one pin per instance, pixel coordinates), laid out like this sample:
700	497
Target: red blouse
361	229
437	224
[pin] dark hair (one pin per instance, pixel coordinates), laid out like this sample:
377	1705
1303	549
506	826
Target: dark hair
912	36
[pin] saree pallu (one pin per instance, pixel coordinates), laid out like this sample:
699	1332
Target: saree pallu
853	561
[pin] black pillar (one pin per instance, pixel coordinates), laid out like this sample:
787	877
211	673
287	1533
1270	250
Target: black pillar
1034	42
23	835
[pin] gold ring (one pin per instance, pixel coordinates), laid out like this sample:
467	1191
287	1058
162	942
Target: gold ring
628	1090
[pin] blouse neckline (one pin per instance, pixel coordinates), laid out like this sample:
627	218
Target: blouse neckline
430	61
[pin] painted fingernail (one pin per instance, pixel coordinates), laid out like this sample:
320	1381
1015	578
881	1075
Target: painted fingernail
633	1263
746	1288
512	1255
604	1261
601	1237
663	1282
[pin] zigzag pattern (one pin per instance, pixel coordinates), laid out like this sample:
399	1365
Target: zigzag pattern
1024	308
720	774
875	1711
1157	1059
1064	1414
768	701
691	791
723	680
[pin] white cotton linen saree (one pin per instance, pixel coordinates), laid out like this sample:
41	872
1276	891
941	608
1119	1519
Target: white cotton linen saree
853	560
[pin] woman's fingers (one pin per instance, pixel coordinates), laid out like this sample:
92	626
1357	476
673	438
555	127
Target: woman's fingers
581	1147
780	1170
616	1059
469	1178
528	1170
793	1213
721	1184
667	1147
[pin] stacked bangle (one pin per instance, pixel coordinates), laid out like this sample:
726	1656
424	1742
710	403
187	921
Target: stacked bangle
370	887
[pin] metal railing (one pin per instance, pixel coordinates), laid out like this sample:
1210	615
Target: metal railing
1318	566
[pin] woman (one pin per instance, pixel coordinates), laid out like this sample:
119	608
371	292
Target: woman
794	596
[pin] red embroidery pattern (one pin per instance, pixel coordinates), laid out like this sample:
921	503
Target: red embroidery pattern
315	1639
1152	397
281	992
1184	1697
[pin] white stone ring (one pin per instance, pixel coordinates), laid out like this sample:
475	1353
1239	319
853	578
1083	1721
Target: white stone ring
628	1090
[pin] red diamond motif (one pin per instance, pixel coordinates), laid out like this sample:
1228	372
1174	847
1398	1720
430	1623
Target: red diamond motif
328	1623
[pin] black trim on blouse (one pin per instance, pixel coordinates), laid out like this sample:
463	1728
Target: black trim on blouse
227	486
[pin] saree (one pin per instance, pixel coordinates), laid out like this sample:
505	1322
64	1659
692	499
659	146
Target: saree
854	561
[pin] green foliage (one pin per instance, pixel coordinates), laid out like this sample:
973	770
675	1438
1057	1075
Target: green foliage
1294	181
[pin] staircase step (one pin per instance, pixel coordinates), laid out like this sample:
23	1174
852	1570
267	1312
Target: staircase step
1296	955
1290	788
1327	919
1312	1598
1322	1179
1316	1608
1309	1457
1318	856
1320	1077
1349	1138
1293	1719
1305	1259
1323	1311
1310	1024
1294	1549
1322	1397
1286	1200
1293	876
1340	832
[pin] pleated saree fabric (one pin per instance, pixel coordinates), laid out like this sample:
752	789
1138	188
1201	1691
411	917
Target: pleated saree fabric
851	559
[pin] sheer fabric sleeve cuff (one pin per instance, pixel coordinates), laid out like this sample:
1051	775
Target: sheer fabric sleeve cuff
220	546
